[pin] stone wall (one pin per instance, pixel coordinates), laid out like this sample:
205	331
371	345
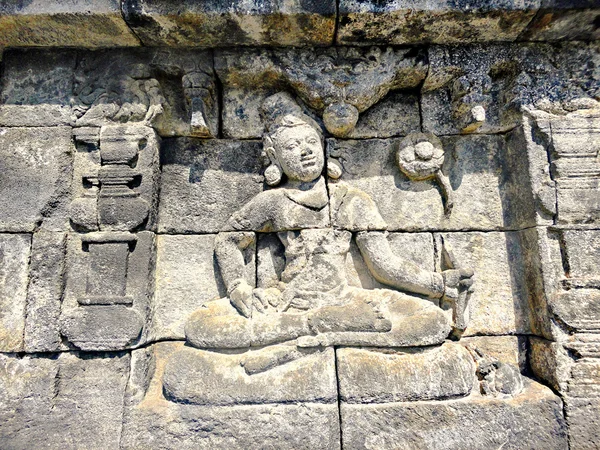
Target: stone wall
300	224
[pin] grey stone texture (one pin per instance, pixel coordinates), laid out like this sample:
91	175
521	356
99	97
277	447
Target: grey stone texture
67	400
79	23
218	23
242	234
36	180
15	254
204	182
472	422
405	22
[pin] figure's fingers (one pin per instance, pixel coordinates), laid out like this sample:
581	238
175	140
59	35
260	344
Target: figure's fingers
242	307
467	282
466	273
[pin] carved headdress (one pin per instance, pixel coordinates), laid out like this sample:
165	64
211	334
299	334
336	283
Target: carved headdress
280	111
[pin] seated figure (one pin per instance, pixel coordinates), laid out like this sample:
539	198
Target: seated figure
310	303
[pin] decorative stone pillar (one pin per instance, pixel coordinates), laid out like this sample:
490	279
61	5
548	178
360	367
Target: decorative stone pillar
107	290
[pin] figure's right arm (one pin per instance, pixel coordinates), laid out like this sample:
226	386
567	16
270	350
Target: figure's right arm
229	251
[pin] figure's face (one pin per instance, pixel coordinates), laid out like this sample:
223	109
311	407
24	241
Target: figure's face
299	152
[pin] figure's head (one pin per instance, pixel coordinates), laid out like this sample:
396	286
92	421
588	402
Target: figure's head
297	148
293	142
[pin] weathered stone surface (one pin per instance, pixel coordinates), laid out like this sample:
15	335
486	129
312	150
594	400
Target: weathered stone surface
473	164
415	247
44	293
173	90
151	420
380	376
186	278
15	250
498	304
472	422
68	400
572	141
338	83
107	291
204	182
395	115
38	78
194	376
44	115
560	20
582	253
218	23
441	22
81	23
510	350
550	362
584	426
36	178
482	88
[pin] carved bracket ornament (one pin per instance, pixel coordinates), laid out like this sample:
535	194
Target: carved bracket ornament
339	83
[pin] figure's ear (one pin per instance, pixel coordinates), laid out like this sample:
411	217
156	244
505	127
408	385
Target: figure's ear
269	149
273	172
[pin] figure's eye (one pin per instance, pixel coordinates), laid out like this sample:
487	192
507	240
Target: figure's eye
311	140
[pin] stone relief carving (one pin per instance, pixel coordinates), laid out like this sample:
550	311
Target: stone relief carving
337	295
309	304
339	83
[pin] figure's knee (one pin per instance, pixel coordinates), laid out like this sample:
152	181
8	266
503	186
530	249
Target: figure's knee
218	325
420	318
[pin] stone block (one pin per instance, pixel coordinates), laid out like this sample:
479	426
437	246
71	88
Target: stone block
472	163
173	89
550	362
42	115
584	422
438	22
335	83
80	23
67	400
151	420
204	182
384	376
498	305
40	78
44	294
562	20
510	350
395	115
219	23
187	276
107	294
197	377
532	419
582	253
36	167
15	250
483	88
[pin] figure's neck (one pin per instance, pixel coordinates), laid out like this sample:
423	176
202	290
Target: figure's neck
302	185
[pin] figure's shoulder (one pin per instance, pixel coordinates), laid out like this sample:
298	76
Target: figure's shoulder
257	213
354	209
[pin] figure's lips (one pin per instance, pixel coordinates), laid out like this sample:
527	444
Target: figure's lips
309	160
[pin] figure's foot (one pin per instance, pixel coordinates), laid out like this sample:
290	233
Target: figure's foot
355	316
267	358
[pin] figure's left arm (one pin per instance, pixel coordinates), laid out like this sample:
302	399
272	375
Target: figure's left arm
395	271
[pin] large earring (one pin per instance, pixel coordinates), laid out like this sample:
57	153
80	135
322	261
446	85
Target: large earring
273	175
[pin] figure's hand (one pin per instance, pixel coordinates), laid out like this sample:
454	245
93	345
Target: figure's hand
265	298
456	281
241	298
